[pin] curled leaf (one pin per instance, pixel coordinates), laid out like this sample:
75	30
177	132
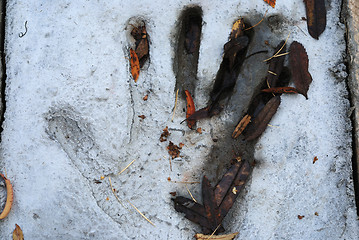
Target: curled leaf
259	124
241	126
134	64
280	90
190	109
9	198
298	60
316	17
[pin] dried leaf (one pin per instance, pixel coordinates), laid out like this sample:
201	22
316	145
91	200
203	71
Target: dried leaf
280	90
316	17
199	114
190	109
298	60
17	233
271	2
230	197
229	236
241	126
225	183
209	203
276	65
9	198
135	65
234	47
237	29
142	45
259	124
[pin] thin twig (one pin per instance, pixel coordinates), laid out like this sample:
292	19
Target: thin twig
174	110
190	194
21	34
215	230
114	193
278	50
148	220
258	22
127	166
184	182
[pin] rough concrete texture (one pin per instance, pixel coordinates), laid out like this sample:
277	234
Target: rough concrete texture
72	117
352	21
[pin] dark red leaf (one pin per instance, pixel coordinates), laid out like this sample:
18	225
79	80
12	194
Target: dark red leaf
259	124
316	17
234	190
225	183
298	60
209	203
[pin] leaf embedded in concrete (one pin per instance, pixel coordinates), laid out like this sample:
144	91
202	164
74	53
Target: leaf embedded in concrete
134	64
209	203
298	60
17	234
193	34
259	124
142	45
316	17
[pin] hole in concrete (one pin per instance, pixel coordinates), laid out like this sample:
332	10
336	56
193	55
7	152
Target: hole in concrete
187	52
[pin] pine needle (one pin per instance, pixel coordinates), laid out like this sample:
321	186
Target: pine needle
215	230
269	125
282	54
114	193
278	50
127	166
258	22
174	110
190	194
272	73
148	220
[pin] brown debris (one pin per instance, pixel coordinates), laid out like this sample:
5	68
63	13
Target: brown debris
199	130
145	98
142	116
300	217
174	150
315	159
229	236
165	134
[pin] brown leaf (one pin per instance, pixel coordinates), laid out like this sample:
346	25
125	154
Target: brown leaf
280	90
234	47
142	45
209	203
199	114
241	126
271	2
17	233
259	124
231	196
190	109
225	183
237	29
134	64
298	60
229	236
316	17
276	65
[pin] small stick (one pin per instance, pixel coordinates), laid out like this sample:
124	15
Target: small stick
190	194
278	50
215	230
174	110
148	220
258	22
114	193
272	73
127	166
